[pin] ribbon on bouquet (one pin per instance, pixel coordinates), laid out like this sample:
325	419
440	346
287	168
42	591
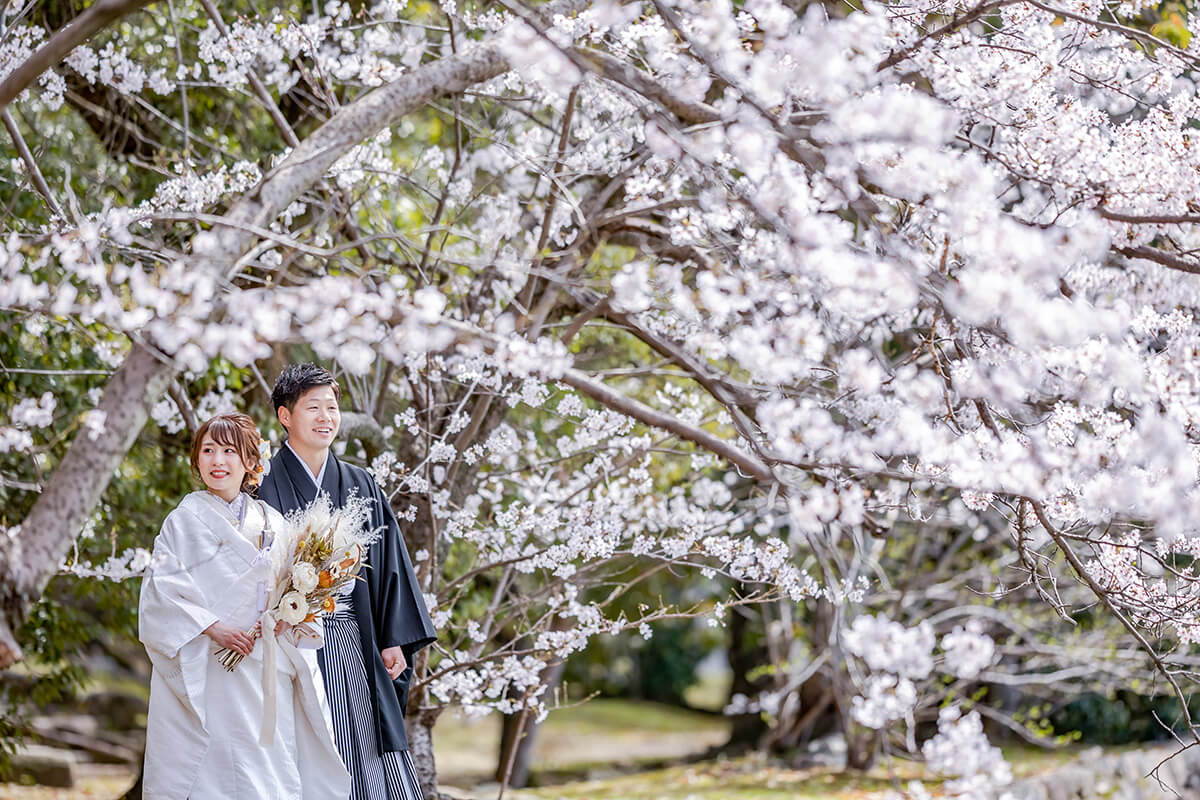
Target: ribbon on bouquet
266	736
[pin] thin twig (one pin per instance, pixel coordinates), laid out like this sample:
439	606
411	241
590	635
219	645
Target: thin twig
35	174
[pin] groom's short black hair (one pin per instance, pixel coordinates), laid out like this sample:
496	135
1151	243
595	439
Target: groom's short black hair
296	379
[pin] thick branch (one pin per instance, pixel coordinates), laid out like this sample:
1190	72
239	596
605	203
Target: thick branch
1149	219
635	80
729	396
360	121
31	558
1160	257
98	17
643	413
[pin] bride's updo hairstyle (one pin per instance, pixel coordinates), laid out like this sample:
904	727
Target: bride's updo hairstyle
239	432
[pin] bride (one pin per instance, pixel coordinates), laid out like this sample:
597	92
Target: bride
209	732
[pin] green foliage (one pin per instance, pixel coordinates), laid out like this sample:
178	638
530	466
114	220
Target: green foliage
1123	717
1172	24
660	668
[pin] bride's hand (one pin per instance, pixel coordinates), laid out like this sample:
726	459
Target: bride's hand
281	626
228	636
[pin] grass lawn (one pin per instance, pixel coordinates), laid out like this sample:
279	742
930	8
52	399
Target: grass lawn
749	778
757	778
599	734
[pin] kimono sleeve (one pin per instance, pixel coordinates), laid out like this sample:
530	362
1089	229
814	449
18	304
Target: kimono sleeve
172	610
402	618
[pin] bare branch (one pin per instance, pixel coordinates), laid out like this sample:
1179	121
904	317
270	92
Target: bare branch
1149	219
35	173
1160	257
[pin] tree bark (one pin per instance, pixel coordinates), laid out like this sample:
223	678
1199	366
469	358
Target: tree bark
135	791
98	17
29	559
518	776
420	747
747	651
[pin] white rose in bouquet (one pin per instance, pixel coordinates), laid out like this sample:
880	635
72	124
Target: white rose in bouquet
304	577
293	608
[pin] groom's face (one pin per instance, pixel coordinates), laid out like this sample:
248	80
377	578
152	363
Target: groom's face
313	422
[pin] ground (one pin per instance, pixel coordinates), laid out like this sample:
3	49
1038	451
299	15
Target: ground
596	748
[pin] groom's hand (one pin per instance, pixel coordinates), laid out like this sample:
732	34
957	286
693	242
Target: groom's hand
394	661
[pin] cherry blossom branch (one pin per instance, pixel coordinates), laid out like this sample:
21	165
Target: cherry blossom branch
610	398
525	301
80	478
31	165
1126	30
956	22
635	80
96	18
1083	574
1149	219
260	89
1160	257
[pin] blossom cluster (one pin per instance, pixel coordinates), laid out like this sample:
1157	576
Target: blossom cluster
899	658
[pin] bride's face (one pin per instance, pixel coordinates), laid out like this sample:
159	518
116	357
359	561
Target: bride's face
221	468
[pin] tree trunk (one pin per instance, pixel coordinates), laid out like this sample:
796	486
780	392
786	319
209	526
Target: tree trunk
861	748
518	775
29	559
420	745
135	791
747	651
817	713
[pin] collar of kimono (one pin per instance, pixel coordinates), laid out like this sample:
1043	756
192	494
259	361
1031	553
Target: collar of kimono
231	532
300	478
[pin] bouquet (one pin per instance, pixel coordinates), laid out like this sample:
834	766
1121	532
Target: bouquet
319	550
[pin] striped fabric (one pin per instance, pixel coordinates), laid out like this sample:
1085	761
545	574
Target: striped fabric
390	777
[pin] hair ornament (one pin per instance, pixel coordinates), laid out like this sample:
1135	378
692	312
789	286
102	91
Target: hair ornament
264	456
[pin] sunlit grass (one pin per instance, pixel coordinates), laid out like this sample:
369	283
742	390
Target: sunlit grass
750	778
598	734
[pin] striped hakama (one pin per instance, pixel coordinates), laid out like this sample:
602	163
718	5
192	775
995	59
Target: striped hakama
391	776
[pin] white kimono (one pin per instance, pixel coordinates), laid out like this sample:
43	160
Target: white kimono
203	726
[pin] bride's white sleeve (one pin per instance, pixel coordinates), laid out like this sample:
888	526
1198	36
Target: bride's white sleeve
171	609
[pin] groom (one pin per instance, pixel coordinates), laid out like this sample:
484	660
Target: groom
371	638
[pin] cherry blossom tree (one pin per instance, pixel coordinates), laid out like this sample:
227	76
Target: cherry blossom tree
625	285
